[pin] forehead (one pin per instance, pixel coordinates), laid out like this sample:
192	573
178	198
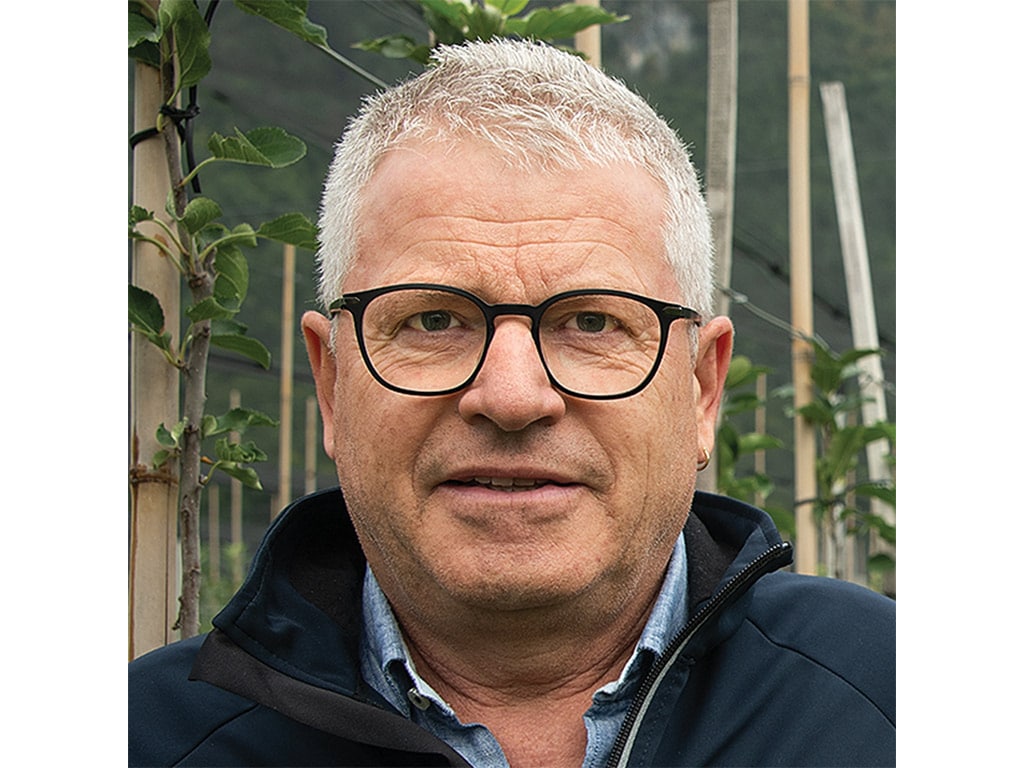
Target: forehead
460	215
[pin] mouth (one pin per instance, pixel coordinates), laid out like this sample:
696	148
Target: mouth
505	484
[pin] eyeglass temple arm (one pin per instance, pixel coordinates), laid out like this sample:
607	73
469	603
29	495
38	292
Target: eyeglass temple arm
339	305
684	313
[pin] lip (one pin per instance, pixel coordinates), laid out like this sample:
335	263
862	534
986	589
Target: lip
516	502
507	479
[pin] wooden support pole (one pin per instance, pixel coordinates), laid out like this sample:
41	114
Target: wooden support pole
801	288
721	160
284	484
588	41
855	263
153	580
860	294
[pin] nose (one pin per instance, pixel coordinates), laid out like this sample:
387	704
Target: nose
512	389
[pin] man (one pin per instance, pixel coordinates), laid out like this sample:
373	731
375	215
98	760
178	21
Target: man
519	377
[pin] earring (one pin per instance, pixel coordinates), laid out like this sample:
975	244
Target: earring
705	459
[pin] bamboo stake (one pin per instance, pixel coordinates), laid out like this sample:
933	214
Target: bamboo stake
804	441
721	160
761	428
588	41
284	483
721	164
857	268
153	561
853	242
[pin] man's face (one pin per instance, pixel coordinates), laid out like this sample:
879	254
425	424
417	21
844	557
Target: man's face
508	494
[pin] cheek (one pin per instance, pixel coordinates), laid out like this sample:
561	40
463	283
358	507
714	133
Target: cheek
661	442
378	435
363	424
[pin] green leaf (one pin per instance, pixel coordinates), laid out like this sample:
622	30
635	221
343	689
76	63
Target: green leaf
209	424
209	309
143	35
191	40
881	526
817	413
561	22
243	345
878	431
882	491
164	437
145	312
289	15
485	22
240	419
200	212
243	234
443	31
246	475
455	12
741	403
243	453
841	454
826	371
852	356
140	27
232	282
881	564
269	147
728	441
748	487
137	214
508	7
293	228
160	457
742	372
178	430
756	442
225	326
396	47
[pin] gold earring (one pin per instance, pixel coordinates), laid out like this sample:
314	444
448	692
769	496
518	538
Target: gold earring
705	460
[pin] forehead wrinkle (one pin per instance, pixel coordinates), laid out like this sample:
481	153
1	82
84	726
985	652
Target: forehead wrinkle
511	231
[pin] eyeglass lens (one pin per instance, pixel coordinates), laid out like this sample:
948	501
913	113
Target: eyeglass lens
431	341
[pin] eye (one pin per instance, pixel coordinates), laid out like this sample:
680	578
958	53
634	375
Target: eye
592	322
433	320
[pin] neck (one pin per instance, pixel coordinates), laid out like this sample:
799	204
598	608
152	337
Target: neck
530	676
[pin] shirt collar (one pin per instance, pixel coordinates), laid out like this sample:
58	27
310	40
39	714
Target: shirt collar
384	649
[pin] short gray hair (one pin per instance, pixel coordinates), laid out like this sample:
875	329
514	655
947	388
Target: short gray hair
535	106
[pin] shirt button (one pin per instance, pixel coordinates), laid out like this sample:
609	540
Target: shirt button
418	700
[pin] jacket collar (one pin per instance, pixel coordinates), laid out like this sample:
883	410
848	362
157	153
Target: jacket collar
299	610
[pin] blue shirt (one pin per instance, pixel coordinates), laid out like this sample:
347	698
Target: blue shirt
387	666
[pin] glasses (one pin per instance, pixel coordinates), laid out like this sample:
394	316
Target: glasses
425	339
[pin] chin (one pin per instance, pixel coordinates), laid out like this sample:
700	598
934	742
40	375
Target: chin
512	579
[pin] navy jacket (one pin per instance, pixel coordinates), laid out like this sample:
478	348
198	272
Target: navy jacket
772	668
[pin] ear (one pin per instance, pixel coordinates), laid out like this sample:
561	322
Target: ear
714	351
317	330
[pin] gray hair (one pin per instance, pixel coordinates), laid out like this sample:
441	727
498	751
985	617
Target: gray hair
536	107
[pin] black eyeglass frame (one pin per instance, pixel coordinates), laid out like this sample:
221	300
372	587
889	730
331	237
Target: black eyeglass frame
355	303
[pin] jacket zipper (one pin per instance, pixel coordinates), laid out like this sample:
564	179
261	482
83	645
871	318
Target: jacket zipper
769	560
